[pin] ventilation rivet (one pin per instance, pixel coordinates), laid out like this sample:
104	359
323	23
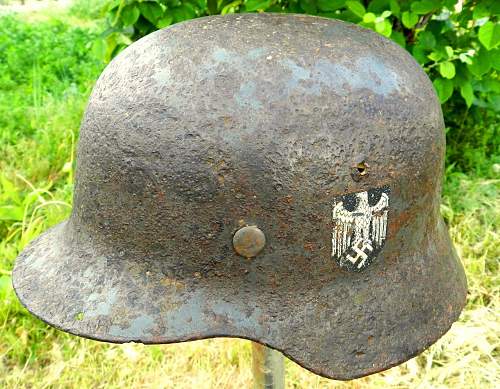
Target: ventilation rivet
249	241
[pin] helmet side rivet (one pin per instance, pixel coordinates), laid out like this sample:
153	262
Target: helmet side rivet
249	241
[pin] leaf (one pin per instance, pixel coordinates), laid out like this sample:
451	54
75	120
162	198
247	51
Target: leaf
11	212
377	6
494	103
9	190
254	5
435	56
409	19
184	12
384	27
489	35
447	69
449	51
465	58
480	64
275	7
419	54
399	38
202	4
330	5
113	4
113	47
68	166
151	11
309	6
369	17
231	7
130	14
449	4
495	59
395	8
165	21
444	88
423	7
212	7
480	11
494	8
5	287
356	8
427	40
467	93
99	49
491	85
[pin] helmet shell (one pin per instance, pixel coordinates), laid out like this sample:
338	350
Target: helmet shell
281	122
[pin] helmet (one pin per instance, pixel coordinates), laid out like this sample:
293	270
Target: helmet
262	176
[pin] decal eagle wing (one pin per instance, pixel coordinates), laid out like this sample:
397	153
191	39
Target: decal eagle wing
378	225
342	229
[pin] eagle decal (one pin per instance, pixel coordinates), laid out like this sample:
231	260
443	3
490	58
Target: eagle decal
359	227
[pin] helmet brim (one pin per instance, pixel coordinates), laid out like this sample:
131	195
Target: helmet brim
334	332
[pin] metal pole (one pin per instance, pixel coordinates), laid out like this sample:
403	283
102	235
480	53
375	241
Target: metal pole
268	367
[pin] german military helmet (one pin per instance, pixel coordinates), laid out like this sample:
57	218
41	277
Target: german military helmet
261	176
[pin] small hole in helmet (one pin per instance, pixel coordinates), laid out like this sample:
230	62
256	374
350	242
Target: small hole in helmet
362	168
359	170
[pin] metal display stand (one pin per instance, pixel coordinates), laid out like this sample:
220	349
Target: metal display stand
268	367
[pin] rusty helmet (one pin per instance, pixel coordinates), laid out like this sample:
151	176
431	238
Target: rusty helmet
262	176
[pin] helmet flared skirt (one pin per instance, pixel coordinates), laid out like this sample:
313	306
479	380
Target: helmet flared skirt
345	327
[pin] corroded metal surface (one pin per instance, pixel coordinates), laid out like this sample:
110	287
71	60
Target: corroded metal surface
269	120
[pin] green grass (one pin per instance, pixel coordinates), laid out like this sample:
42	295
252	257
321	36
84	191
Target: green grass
46	72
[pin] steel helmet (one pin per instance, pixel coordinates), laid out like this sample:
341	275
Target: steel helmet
262	176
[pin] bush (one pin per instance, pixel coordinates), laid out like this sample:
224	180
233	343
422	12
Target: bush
456	42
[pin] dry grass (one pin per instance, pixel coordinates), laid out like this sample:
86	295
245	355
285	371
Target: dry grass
462	359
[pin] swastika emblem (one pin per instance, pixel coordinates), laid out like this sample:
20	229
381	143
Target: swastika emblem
359	227
361	249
